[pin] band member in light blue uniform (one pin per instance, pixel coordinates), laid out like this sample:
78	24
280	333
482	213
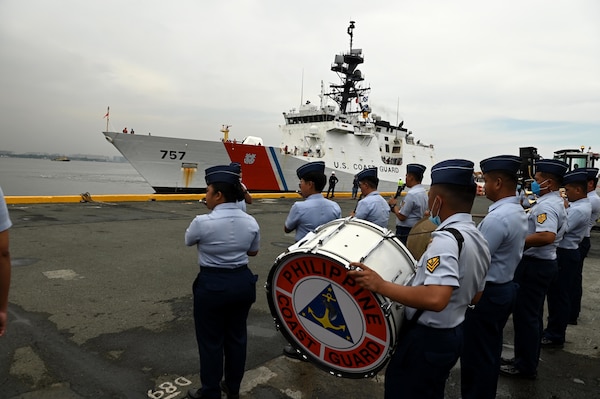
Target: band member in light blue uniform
414	206
225	288
546	226
450	275
307	215
372	207
568	257
504	228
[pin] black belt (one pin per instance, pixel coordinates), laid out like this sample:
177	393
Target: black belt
214	269
490	284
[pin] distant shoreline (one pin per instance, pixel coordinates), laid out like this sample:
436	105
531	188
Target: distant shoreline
79	157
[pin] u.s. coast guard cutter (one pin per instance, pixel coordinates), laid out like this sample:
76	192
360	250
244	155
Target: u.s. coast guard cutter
346	135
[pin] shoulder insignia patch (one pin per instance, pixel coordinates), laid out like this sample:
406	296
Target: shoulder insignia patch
541	218
433	263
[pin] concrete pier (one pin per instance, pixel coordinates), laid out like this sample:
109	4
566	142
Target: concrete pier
101	307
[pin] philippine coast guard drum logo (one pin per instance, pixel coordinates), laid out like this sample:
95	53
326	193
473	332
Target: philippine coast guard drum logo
337	324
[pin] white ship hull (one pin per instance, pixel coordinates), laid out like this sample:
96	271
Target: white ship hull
170	165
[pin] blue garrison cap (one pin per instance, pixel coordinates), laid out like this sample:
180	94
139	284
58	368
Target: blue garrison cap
369	172
415	168
575	176
221	174
318	167
506	163
592	173
552	166
453	171
236	166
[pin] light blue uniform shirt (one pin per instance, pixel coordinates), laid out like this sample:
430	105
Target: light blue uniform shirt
413	206
505	229
224	236
578	220
5	222
595	203
373	208
442	265
548	214
307	215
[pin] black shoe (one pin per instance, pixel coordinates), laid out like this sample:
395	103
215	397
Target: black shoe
507	362
548	343
292	353
228	394
194	393
510	370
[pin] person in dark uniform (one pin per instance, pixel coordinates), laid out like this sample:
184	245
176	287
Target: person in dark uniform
547	222
568	257
584	247
307	215
332	182
225	288
450	275
505	229
355	187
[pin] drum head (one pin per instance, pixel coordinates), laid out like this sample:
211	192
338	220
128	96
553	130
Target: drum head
419	237
323	313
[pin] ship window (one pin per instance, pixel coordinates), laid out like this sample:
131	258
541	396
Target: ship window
387	147
386	138
396	149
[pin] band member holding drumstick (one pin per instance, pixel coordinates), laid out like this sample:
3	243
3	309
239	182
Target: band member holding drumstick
450	275
372	206
225	288
414	206
504	228
309	214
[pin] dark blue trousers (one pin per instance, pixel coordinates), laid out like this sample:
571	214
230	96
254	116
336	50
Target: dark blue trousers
222	301
534	277
483	326
559	294
421	363
577	286
402	233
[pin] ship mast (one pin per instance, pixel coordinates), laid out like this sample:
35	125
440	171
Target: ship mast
349	88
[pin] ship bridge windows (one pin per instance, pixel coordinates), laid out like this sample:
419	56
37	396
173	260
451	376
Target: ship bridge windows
296	119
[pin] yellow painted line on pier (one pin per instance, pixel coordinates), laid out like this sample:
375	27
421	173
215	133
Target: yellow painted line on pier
55	199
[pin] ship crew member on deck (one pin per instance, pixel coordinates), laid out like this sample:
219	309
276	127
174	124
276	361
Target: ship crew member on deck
414	206
546	225
225	288
354	187
332	182
5	267
372	207
449	276
568	257
505	229
245	197
401	186
584	247
309	214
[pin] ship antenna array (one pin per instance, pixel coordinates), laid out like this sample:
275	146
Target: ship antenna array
350	32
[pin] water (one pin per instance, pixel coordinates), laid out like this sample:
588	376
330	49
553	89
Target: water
25	176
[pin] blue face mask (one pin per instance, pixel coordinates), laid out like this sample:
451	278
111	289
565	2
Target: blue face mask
537	187
435	219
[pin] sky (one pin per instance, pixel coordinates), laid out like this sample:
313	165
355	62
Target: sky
474	78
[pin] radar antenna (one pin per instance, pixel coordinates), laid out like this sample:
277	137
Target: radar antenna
350	29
